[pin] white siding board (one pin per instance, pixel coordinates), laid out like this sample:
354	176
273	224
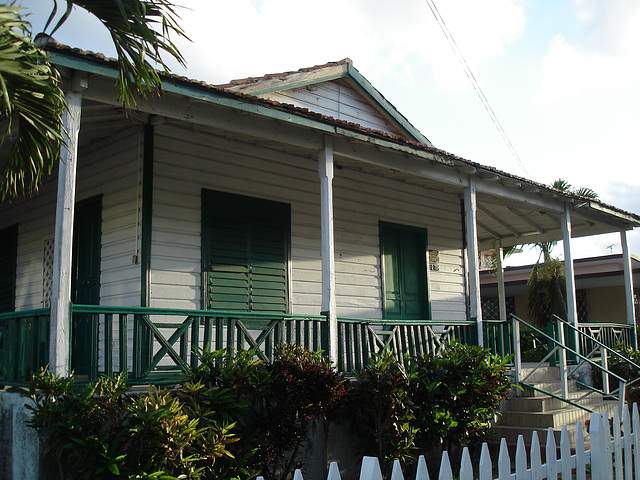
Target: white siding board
183	167
338	100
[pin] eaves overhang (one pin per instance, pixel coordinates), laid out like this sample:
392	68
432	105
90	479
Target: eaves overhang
511	209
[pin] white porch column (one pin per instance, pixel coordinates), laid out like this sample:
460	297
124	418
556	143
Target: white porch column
628	286
60	320
325	170
502	299
475	305
572	308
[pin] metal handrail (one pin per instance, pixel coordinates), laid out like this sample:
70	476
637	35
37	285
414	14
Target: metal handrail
563	350
606	348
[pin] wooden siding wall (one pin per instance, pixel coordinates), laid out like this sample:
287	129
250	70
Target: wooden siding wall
338	100
188	159
109	168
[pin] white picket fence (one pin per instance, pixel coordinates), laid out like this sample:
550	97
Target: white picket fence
614	454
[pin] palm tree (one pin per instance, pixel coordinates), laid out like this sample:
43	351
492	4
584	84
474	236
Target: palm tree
546	287
30	108
32	101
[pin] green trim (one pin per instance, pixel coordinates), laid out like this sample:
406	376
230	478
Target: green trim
369	90
147	217
364	87
36	312
174	311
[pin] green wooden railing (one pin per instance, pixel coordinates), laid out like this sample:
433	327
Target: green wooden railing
24	344
156	345
360	339
609	334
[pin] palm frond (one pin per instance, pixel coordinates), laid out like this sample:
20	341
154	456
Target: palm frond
587	192
31	105
561	184
141	31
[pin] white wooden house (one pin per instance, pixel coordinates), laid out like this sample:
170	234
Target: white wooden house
300	206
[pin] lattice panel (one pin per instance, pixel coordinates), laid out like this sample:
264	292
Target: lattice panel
582	304
47	272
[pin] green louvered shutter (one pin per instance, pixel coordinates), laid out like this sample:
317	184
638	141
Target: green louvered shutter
245	252
8	254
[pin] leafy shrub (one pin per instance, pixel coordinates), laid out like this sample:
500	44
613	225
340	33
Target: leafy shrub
273	405
101	431
381	411
456	395
621	368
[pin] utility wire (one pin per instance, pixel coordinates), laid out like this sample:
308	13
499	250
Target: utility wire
474	83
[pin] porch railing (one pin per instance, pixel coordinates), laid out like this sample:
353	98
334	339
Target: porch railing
24	344
359	339
156	345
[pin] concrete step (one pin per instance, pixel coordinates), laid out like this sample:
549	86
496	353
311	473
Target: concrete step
547	403
510	434
540	374
555	418
550	387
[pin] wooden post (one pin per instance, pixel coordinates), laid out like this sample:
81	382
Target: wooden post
628	287
502	299
475	305
572	308
60	319
325	170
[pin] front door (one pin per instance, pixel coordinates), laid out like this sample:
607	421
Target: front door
404	272
85	284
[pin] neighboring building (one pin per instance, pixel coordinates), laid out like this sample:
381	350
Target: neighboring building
600	289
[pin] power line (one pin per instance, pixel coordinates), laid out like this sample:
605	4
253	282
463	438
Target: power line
474	83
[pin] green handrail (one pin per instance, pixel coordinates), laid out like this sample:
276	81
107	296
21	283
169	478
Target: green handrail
577	355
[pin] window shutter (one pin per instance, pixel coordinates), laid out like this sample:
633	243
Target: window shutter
246	252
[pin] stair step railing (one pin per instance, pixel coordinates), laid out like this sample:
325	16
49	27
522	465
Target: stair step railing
558	346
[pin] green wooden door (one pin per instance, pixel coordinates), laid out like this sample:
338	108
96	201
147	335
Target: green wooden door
404	272
85	284
245	252
8	256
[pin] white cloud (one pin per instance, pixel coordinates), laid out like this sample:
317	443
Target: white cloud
380	36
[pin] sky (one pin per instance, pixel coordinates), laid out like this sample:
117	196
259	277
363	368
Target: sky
562	76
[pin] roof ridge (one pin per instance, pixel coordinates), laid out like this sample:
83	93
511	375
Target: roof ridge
282	75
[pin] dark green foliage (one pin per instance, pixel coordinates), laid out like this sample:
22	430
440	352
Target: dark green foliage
621	368
456	395
102	432
532	345
273	405
546	291
381	411
238	417
305	389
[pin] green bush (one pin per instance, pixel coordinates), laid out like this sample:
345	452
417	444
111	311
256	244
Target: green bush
381	411
273	405
101	431
621	368
238	417
456	395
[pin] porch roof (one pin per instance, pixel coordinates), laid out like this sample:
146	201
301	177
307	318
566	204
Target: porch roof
511	209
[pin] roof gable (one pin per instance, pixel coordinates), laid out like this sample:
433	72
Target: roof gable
336	90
